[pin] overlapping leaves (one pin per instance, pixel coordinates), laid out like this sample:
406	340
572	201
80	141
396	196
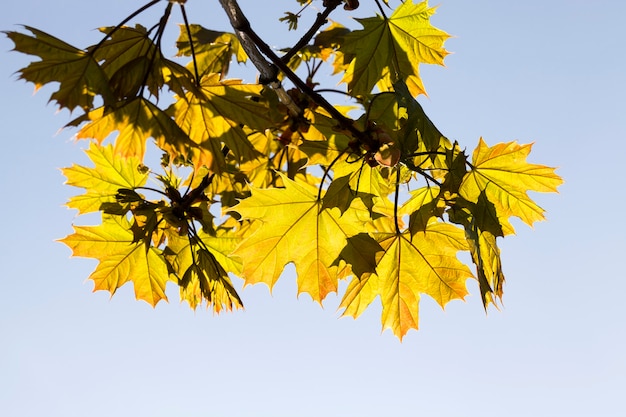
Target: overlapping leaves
314	187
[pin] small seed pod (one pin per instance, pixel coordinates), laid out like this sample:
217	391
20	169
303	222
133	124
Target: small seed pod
351	4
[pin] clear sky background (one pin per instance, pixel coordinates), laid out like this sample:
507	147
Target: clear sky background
550	72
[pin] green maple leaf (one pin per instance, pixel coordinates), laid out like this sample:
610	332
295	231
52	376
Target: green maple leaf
102	182
407	267
294	228
121	259
131	60
389	49
79	76
503	175
418	133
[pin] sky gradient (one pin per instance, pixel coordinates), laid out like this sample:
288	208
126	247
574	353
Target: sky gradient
551	73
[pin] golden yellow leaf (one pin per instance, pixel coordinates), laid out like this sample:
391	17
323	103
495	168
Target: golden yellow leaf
216	118
135	120
503	175
392	49
294	228
121	259
102	182
407	267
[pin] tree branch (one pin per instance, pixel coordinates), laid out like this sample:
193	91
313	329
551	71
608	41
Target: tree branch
320	21
247	37
253	44
240	23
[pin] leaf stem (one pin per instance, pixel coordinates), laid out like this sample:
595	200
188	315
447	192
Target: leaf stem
193	52
151	189
414	168
332	90
157	44
253	44
380	7
395	201
427	153
326	174
321	20
123	22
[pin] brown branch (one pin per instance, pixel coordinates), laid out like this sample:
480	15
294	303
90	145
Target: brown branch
239	22
320	21
252	43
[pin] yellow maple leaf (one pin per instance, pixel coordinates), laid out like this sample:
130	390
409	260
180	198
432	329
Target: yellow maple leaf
202	269
215	118
213	50
294	228
407	267
503	175
122	259
392	48
102	182
135	120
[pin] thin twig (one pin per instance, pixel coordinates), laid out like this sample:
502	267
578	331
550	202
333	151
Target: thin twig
396	201
193	52
122	23
320	21
254	44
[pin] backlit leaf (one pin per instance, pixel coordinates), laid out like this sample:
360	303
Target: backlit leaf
200	270
102	182
294	229
503	175
121	259
79	76
213	50
407	267
392	49
135	121
210	120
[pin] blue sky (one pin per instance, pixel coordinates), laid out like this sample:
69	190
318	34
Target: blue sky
551	73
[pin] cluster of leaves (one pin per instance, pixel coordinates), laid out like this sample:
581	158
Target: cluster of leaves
272	177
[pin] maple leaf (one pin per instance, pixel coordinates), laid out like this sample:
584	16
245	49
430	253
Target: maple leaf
418	132
325	45
136	120
79	76
210	120
422	206
294	228
131	60
364	182
121	259
503	175
102	182
407	267
482	228
323	142
213	50
199	265
392	48
303	181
